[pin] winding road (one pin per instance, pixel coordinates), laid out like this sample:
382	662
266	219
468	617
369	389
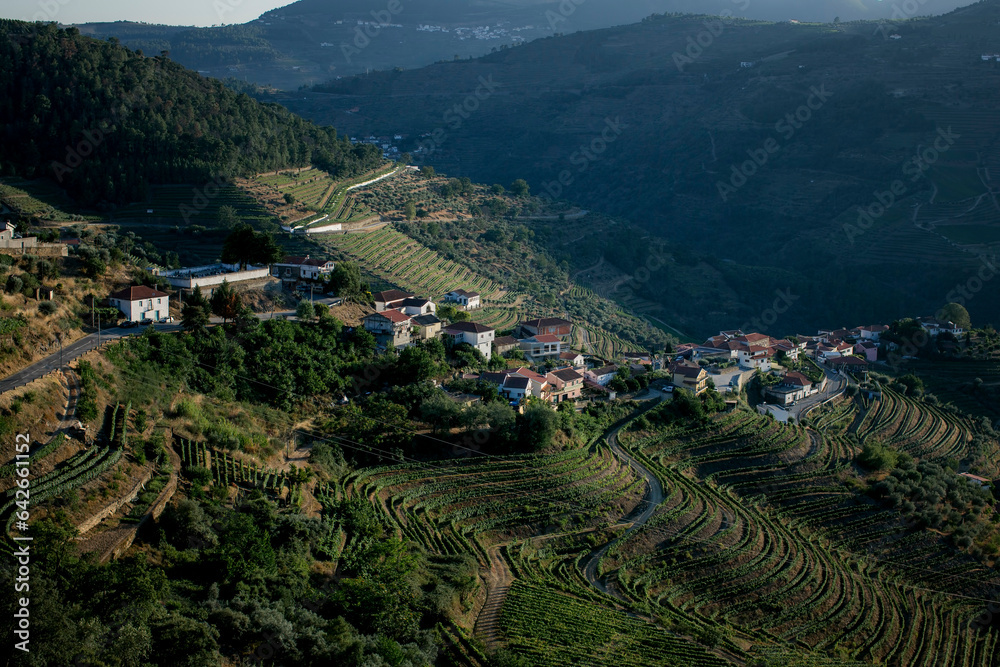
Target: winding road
652	498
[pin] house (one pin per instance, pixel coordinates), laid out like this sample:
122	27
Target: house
294	269
520	383
574	359
566	383
790	349
417	306
976	480
468	300
427	326
872	332
12	243
833	350
866	349
601	376
390	299
935	327
637	357
477	335
517	388
543	346
848	364
758	358
504	344
794	386
139	303
391	328
466	400
689	375
553	326
731	379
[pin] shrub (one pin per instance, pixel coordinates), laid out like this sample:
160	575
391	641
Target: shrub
876	456
47	307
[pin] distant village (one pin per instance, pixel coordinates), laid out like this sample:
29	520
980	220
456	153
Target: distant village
794	369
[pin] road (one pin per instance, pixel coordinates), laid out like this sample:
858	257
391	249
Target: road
651	500
836	384
89	342
70	352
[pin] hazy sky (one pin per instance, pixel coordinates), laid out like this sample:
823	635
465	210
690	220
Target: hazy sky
213	12
171	12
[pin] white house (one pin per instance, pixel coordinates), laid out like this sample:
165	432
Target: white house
390	299
538	348
873	332
417	306
141	303
293	269
601	376
935	326
469	300
477	335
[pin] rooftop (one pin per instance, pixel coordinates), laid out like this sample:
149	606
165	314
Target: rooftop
135	293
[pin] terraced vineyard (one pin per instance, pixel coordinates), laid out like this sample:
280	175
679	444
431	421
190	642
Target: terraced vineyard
227	470
411	265
84	466
758	549
745	537
327	200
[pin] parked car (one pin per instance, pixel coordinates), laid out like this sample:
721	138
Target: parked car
165	320
128	324
145	321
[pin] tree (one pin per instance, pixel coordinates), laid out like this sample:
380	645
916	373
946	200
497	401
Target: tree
427	171
346	282
196	311
520	188
305	310
227	217
537	427
497	189
244	246
225	302
410	210
954	312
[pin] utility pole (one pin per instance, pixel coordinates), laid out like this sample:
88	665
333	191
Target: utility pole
59	338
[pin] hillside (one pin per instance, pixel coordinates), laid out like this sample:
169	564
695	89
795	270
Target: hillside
310	41
106	123
635	132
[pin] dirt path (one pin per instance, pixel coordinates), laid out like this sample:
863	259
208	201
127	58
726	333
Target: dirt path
498	580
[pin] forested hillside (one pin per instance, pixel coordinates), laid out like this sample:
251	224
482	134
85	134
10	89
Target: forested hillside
106	122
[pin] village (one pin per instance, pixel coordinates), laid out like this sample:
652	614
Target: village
796	373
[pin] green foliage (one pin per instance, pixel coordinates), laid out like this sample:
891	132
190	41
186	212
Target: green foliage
244	246
200	128
957	313
305	311
346	282
876	456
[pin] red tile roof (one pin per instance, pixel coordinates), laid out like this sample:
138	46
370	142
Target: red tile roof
393	316
546	338
390	295
796	378
135	293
